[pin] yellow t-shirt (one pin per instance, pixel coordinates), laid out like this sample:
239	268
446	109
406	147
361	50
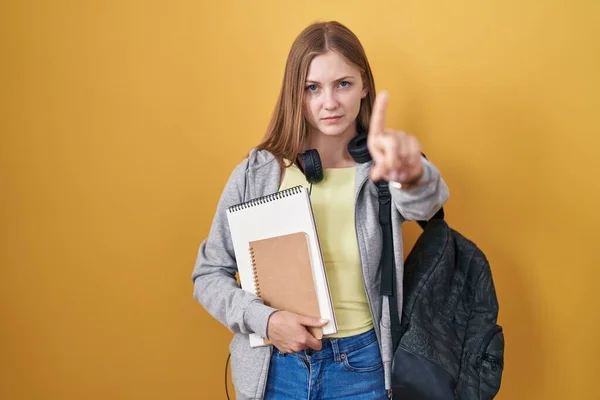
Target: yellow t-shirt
333	207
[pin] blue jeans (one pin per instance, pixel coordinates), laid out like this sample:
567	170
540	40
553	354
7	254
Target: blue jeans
345	368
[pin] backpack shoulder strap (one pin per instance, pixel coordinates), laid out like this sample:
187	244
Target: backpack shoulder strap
388	266
388	269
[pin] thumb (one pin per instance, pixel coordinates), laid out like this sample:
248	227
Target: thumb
310	321
377	173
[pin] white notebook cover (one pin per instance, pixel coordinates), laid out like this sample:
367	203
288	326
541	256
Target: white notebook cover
281	213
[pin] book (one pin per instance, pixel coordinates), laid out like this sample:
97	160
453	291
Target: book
282	275
274	239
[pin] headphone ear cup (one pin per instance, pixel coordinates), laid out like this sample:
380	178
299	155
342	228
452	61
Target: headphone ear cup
357	147
313	169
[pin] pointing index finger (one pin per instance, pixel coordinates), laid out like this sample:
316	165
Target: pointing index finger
377	124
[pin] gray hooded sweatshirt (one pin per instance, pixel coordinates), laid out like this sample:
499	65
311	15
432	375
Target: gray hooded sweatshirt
215	286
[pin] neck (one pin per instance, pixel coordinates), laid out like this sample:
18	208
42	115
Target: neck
333	150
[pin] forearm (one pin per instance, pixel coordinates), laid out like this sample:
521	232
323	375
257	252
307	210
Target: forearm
216	289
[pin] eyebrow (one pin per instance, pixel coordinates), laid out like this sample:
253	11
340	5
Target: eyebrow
337	80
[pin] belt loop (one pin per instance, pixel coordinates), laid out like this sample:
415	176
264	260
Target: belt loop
336	350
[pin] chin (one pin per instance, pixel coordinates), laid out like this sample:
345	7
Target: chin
334	130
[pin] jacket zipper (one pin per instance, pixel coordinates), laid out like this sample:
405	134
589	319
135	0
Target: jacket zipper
375	322
362	264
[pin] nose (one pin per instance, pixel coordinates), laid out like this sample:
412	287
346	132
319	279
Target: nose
330	101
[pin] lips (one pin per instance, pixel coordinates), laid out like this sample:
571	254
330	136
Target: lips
333	118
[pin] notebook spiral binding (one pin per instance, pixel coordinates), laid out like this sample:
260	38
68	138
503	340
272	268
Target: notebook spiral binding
254	273
266	199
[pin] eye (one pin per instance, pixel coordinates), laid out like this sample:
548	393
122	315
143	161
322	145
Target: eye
311	88
345	84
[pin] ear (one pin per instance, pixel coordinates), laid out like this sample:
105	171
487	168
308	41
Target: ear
365	91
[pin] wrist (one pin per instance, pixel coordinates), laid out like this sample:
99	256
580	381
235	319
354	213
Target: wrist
424	178
269	320
256	317
416	181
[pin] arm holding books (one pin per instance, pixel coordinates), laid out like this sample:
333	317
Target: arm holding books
217	290
215	287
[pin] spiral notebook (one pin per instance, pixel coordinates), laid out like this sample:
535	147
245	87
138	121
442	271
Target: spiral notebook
282	275
279	257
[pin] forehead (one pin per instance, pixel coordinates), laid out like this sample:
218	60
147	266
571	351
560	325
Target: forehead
330	66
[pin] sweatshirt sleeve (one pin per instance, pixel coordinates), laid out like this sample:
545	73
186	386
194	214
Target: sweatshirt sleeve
215	287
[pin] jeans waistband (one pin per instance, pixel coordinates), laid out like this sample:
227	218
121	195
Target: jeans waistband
335	347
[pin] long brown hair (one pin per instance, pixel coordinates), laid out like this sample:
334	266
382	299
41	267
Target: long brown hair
288	127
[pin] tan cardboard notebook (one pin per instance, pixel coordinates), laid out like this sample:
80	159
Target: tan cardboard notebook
283	275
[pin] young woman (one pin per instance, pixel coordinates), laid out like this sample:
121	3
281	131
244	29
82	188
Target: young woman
327	98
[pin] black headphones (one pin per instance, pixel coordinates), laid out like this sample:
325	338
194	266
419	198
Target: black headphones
357	147
313	169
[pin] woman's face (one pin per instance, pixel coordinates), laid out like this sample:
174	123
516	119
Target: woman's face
334	90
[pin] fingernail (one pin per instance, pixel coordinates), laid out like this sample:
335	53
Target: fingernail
323	320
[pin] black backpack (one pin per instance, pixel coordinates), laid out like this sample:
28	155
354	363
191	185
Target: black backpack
449	345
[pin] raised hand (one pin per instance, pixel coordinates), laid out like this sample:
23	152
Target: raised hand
396	155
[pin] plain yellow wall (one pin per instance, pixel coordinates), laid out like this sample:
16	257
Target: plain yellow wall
121	120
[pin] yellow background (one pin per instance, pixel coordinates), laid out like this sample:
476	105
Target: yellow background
121	120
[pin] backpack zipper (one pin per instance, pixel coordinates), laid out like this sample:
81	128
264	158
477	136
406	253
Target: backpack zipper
485	342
